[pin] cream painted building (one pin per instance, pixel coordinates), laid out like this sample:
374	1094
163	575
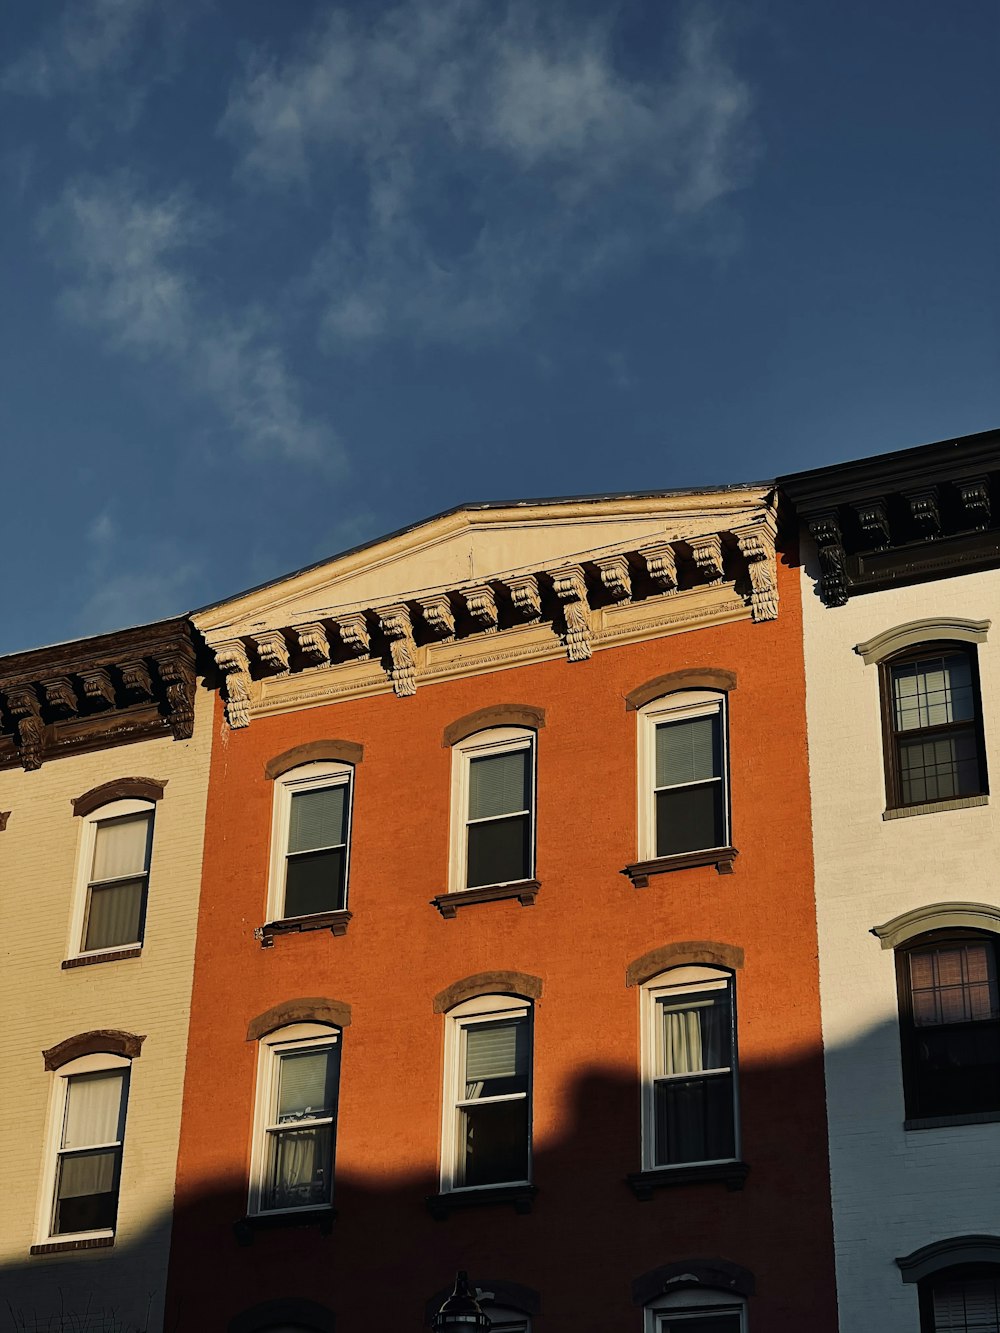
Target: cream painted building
902	651
104	759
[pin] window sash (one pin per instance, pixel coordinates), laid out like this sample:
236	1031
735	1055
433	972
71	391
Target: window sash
114	918
478	1115
666	830
87	1174
325	891
513	860
269	1193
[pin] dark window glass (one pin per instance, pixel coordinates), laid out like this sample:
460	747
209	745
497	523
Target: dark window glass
499	820
693	1079
951	1028
316	862
934	732
963	1305
499	851
693	1321
493	1143
298	1170
689	787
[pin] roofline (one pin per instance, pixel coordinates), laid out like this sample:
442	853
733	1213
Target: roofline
473	506
176	623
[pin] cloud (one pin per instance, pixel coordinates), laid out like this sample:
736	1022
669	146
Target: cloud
91	38
128	256
501	149
139	595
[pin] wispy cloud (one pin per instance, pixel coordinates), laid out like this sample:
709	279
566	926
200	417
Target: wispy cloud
502	148
129	277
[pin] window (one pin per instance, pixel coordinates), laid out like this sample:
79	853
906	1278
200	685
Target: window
487	1117
503	1320
311	840
88	1131
933	730
297	1088
493	800
950	1023
113	877
689	1065
697	1310
963	1300
683	798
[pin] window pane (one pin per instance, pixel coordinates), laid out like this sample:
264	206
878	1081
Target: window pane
121	847
695	1033
954	984
86	1192
318	819
694	1119
939	768
496	1058
688	751
314	882
305	1084
499	784
969	1306
694	1322
114	915
689	819
499	851
933	691
495	1141
93	1109
298	1170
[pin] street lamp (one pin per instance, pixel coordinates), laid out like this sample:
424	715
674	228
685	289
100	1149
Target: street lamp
461	1312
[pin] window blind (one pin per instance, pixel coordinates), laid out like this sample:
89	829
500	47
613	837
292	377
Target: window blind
121	847
318	819
932	692
499	784
304	1084
687	751
496	1050
93	1107
972	1306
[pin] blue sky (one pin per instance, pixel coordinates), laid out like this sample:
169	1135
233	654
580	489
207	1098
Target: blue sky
281	277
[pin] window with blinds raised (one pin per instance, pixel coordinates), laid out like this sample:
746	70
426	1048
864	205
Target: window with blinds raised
297	1115
493	802
488	1108
309	870
684	804
933	728
89	1152
950	1024
689	1083
961	1303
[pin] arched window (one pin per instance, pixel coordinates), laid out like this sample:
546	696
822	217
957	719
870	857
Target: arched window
964	1299
697	1310
486	1131
112	880
683	774
310	840
298	1079
689	1066
949	1019
493	808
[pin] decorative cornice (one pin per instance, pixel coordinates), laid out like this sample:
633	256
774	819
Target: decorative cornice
318	1009
119	789
523	984
930	1259
614	594
105	1041
929	628
937	916
97	693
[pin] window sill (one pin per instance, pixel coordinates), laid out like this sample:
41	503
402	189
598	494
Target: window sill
643	1183
335	922
521	1197
524	890
932	807
247	1227
722	858
63	1246
109	956
946	1121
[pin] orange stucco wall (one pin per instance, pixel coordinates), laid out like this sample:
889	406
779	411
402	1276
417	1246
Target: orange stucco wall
587	1237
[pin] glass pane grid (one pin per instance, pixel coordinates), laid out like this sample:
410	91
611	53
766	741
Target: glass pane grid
953	985
938	767
932	692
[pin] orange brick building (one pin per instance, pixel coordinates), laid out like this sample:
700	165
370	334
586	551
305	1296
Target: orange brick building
506	956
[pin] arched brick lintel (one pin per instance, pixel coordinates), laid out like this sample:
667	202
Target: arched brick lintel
496	715
715	1274
316	1009
287	1310
947	1254
314	752
488	983
103	1041
690	678
118	789
685	953
508	1295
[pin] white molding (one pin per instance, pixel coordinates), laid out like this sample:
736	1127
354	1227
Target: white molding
675	706
937	916
926	630
494	740
307	777
86	842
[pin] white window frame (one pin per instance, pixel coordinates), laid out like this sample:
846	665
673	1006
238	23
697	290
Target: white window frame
85	865
307	777
497	740
677	707
693	1305
675	981
295	1037
482	1009
45	1218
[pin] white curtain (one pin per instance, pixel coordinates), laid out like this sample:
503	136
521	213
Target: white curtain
93	1109
120	848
